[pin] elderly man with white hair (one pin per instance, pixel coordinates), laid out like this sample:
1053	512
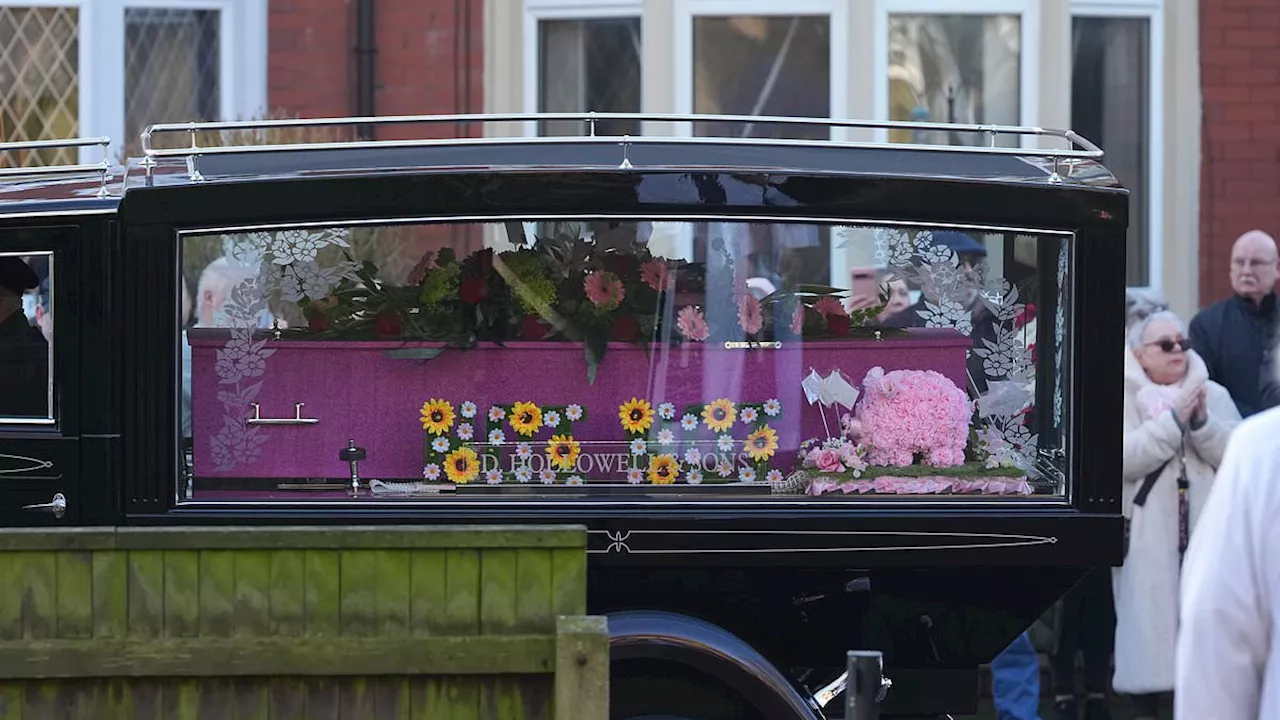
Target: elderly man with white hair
1236	336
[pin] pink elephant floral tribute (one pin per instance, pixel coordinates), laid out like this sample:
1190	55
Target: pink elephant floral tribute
909	434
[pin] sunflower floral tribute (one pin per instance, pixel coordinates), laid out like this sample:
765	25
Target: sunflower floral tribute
523	442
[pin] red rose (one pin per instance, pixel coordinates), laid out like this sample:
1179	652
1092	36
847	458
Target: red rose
838	325
473	291
388	325
620	264
532	329
318	323
625	329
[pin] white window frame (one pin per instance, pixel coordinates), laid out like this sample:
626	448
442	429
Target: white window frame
1153	12
836	12
1030	49
535	11
101	43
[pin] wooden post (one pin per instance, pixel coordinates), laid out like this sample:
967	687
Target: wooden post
582	668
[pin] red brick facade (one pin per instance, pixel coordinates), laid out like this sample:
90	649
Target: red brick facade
429	59
1240	165
312	65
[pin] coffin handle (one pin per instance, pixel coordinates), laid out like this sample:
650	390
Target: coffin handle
297	418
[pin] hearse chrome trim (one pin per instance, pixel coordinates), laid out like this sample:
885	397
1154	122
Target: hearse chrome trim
102	167
620	541
681	217
1078	146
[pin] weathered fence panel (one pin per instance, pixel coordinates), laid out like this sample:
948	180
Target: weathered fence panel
271	623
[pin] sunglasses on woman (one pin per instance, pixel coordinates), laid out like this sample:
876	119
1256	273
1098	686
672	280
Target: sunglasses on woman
1167	345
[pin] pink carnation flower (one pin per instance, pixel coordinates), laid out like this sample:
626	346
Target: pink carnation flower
692	324
828	306
604	289
749	315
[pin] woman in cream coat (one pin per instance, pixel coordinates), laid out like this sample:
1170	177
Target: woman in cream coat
1176	425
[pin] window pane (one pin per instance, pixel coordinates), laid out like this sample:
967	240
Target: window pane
762	66
172	69
470	376
1110	98
26	336
589	66
954	69
39	81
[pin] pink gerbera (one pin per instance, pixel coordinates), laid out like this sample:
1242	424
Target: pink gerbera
604	289
828	306
654	274
749	315
797	319
692	324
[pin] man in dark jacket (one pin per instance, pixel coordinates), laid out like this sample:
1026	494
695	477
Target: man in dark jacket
24	354
1236	336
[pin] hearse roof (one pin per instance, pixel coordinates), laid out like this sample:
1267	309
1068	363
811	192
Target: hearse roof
195	161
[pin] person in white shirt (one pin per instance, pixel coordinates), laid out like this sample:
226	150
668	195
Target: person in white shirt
1226	664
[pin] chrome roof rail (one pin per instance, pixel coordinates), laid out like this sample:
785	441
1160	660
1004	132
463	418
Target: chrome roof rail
1076	146
102	167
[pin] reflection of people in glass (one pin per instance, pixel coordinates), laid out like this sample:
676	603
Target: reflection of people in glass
24	353
970	255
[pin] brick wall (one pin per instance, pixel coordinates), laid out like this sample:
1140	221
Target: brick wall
429	60
1240	170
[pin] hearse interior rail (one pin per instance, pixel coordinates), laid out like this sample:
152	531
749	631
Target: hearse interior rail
808	393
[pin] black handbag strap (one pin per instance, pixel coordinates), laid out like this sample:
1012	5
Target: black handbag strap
1141	498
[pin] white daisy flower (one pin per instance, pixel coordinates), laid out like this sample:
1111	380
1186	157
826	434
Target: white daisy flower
749	415
693	456
468	409
666	437
497	437
772	407
440	444
724	468
747	474
524	451
774	476
524	474
573	412
639	446
551	418
431	472
724	443
689	422
496	414
465	431
547	477
493	477
635	476
667	411
693	477
573	480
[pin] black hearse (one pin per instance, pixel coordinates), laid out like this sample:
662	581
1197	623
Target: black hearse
808	396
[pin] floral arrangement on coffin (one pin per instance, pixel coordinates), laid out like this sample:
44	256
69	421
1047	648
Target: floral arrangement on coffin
910	434
567	288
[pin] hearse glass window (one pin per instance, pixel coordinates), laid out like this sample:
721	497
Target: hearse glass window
608	358
26	338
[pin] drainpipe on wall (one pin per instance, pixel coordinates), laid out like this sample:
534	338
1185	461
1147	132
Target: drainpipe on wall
365	70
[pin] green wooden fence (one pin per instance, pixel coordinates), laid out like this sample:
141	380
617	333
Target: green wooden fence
299	622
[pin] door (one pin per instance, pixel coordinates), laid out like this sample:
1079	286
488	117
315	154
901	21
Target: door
40	429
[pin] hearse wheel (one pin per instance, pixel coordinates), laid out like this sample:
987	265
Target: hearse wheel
644	689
